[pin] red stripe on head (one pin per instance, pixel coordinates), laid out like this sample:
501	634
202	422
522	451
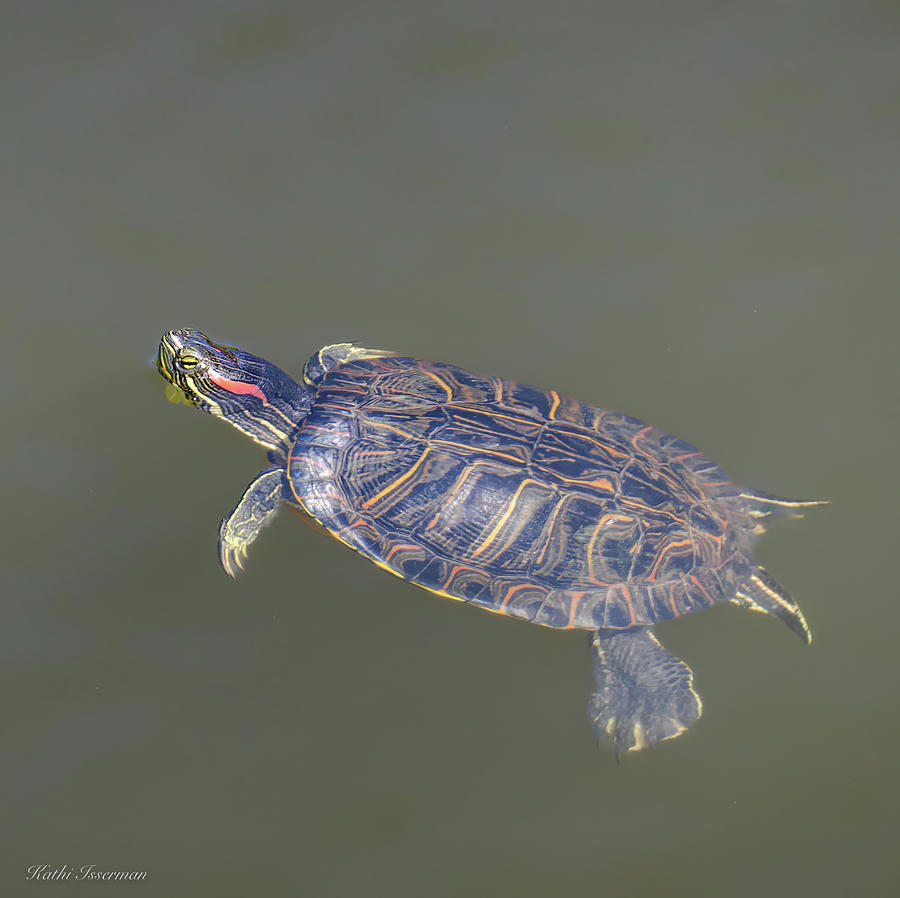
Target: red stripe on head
236	386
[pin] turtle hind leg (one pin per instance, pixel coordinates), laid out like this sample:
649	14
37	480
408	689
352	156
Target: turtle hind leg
643	694
763	505
762	593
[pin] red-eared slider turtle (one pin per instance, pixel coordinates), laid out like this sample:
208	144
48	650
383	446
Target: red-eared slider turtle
514	499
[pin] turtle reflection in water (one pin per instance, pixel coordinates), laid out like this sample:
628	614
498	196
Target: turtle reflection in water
514	499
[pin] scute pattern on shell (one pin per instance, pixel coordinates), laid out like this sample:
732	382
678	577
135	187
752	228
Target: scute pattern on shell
517	499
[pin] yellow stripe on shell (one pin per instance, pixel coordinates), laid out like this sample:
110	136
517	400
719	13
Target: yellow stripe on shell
505	516
555	405
443	384
394	484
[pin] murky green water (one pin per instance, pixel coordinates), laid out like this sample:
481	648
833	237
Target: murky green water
687	212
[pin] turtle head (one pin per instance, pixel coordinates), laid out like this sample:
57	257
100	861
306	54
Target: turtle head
254	395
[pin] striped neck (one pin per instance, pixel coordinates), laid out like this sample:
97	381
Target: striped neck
248	392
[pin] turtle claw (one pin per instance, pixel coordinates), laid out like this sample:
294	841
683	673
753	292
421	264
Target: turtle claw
228	560
256	508
230	553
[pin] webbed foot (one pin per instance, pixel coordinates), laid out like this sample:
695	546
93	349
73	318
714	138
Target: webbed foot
256	508
644	694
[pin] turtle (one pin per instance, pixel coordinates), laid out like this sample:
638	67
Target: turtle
514	499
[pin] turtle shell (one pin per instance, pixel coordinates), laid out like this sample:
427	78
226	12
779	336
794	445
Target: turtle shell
516	499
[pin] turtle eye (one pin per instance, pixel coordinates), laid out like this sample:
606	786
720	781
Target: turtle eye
188	362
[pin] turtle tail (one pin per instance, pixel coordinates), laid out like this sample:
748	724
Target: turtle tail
763	505
643	694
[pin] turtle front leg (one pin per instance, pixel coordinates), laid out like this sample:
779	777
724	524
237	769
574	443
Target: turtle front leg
256	508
